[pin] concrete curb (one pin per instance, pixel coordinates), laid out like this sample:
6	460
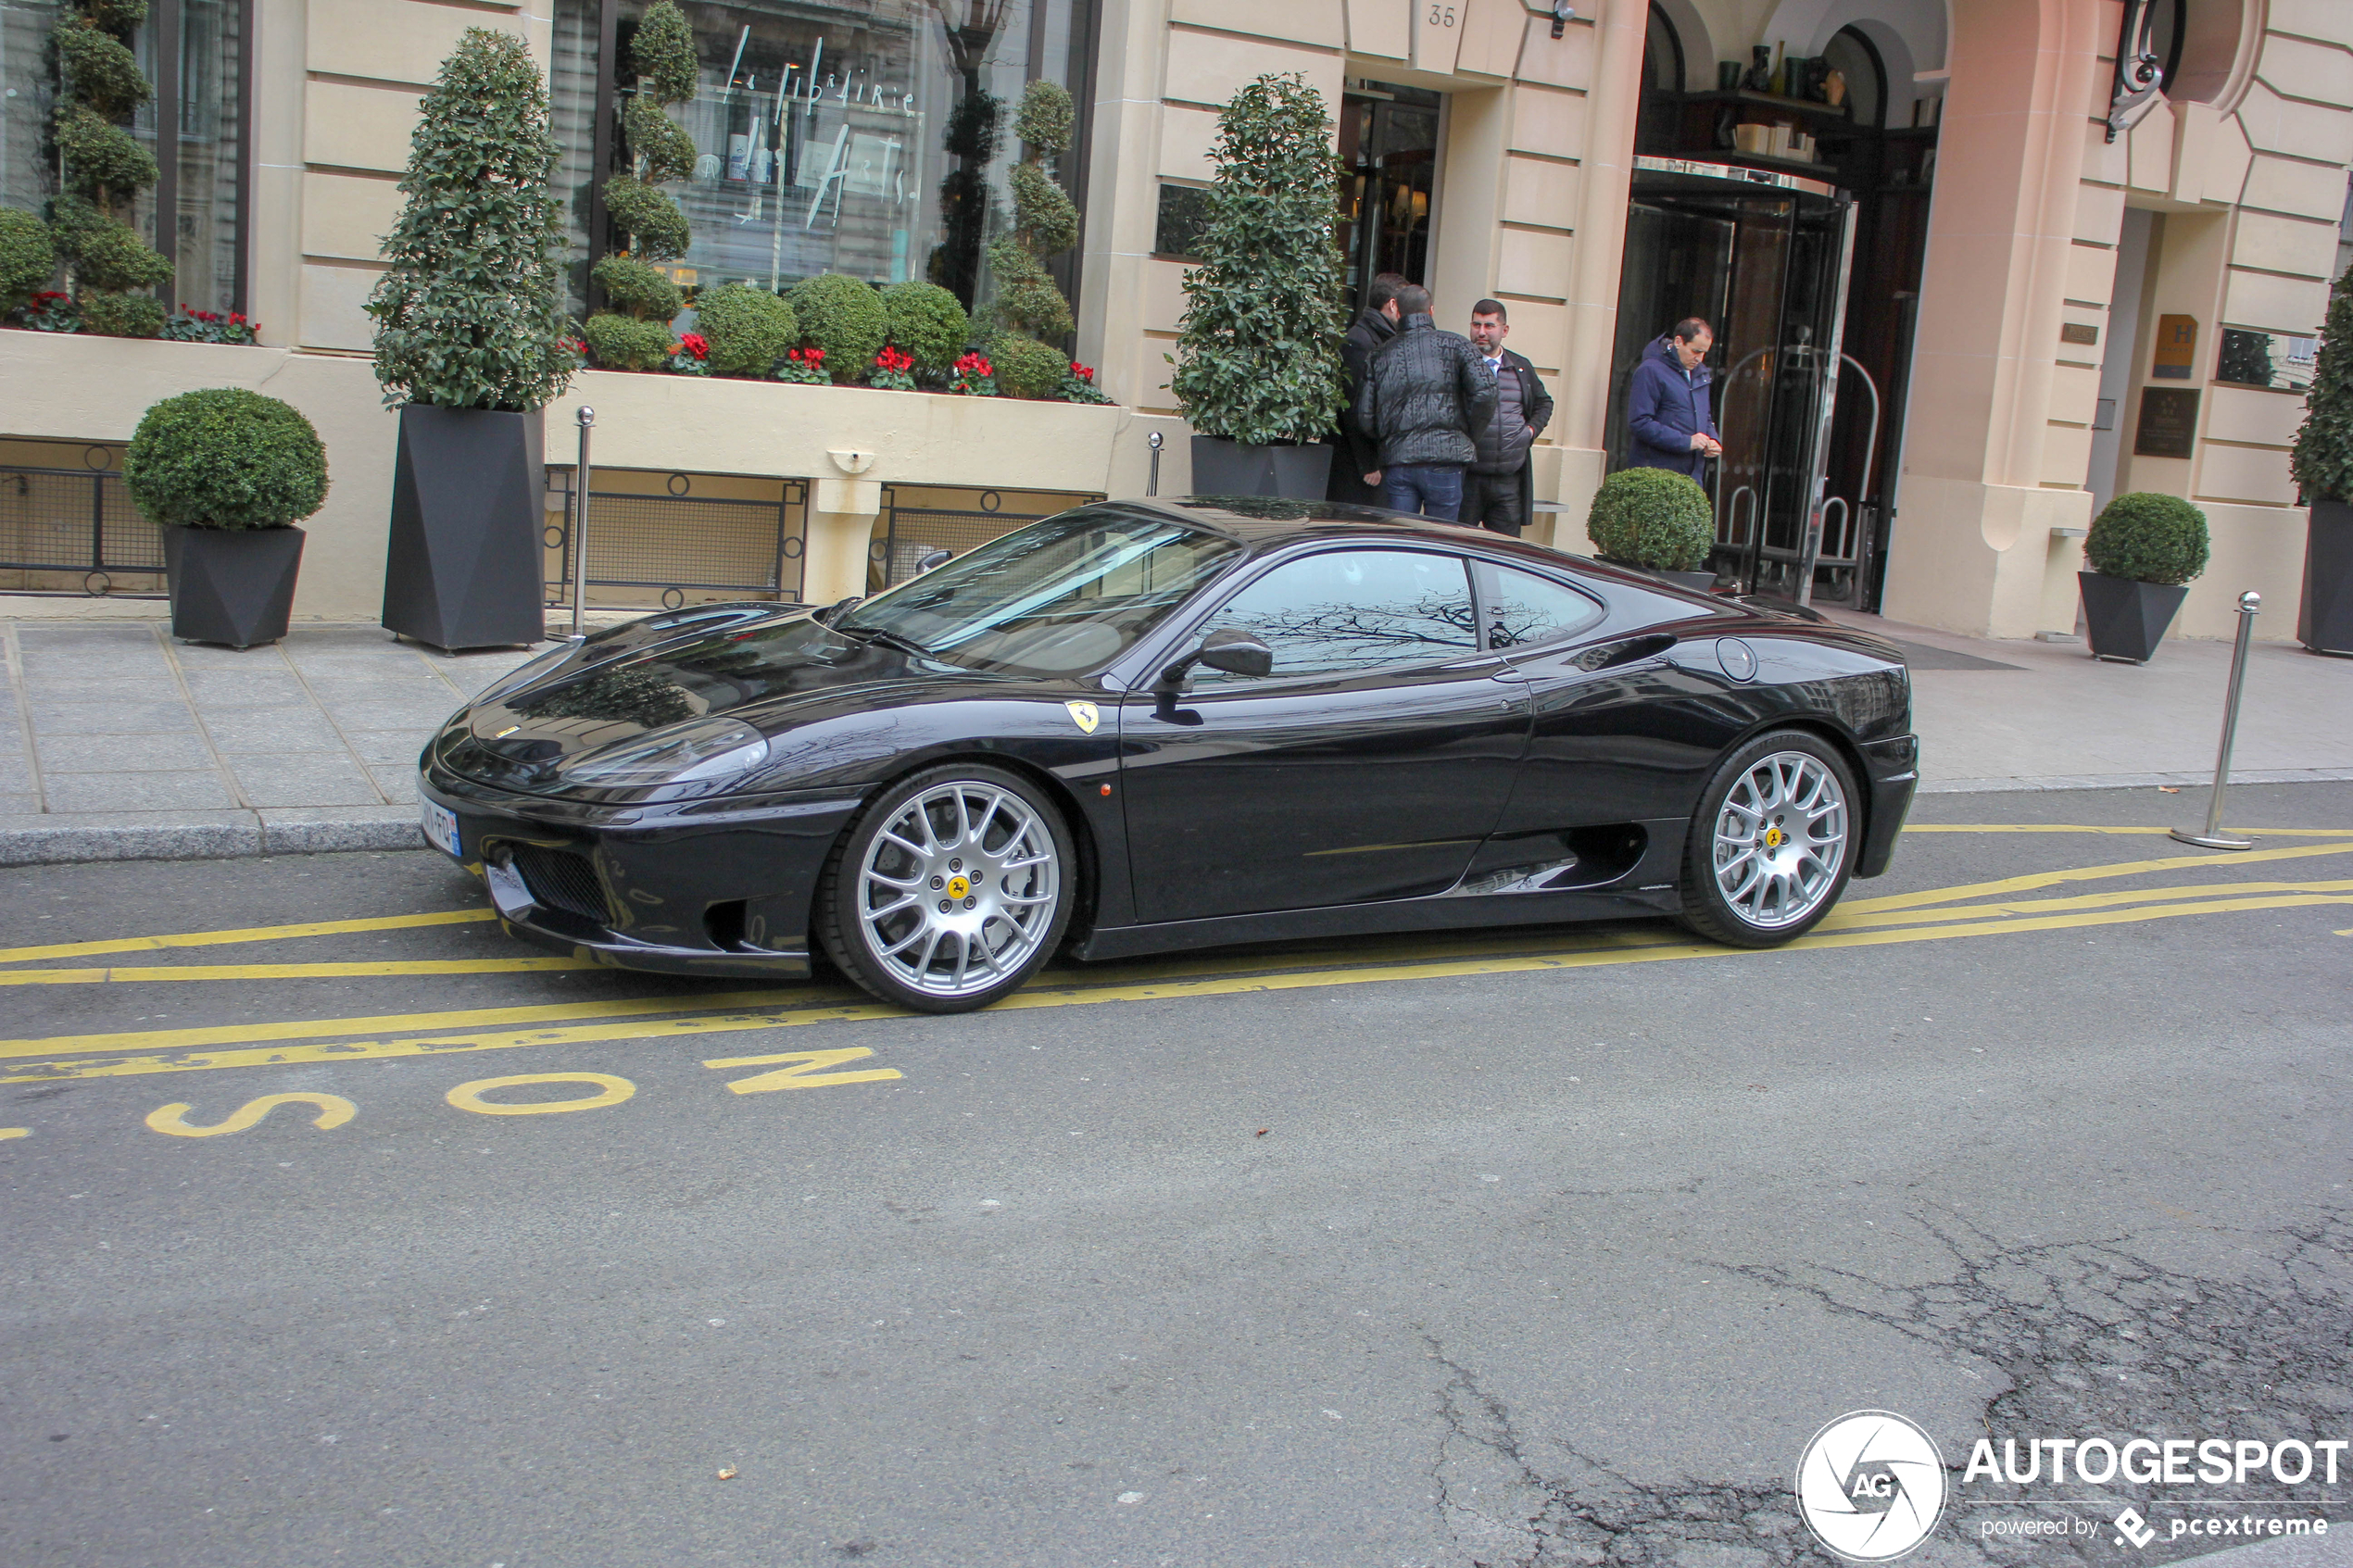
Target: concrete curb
229	836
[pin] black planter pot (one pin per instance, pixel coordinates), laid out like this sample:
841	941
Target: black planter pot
1228	468
1697	582
233	585
462	567
2325	623
2125	619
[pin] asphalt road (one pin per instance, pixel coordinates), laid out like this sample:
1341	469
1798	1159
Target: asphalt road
1546	1247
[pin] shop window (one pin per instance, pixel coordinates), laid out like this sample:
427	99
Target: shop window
868	137
193	52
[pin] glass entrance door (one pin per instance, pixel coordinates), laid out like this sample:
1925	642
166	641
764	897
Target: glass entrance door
1389	159
1763	259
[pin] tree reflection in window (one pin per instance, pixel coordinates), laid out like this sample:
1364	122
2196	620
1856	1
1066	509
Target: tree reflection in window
1524	610
1354	610
623	697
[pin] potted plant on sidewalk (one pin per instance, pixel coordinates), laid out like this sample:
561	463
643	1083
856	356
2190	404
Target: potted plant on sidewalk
2322	463
2141	550
1654	520
1258	369
226	473
471	344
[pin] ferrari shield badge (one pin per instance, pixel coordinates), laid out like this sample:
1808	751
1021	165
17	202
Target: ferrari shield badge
1084	715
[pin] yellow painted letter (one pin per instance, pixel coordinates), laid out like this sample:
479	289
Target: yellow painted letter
805	1076
333	1111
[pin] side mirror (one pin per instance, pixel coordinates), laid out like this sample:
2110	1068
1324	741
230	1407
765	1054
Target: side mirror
934	559
1234	652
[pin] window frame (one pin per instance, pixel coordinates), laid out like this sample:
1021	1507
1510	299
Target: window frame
1483	566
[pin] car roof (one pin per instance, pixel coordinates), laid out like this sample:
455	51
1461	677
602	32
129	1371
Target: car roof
1266	521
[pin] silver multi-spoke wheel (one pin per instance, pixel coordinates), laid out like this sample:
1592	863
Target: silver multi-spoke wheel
958	891
1780	841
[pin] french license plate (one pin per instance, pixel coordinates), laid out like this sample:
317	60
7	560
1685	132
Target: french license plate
441	827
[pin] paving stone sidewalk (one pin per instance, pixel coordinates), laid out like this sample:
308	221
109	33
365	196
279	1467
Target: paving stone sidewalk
117	743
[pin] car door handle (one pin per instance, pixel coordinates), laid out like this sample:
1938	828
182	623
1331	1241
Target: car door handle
1629	650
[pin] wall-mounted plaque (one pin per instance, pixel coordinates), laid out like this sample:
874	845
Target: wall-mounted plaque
2176	356
2278	360
2078	331
2168	422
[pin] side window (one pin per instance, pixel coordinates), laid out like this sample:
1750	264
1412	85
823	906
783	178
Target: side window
1354	609
1524	610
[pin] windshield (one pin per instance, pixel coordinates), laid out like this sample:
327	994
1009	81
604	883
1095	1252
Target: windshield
1064	594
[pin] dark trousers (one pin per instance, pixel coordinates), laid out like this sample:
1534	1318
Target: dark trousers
1435	490
1492	500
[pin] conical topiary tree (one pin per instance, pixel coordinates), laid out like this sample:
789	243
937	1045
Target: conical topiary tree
2323	459
105	170
1032	316
635	334
1258	350
471	313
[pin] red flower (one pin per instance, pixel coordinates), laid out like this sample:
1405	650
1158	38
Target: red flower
893	359
810	356
1083	373
972	364
696	344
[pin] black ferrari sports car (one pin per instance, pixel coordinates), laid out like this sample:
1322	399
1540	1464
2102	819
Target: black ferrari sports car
1147	725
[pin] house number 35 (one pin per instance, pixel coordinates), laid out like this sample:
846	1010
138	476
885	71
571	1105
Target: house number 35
1441	16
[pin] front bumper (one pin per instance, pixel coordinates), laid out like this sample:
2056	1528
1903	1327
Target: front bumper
1894	770
712	888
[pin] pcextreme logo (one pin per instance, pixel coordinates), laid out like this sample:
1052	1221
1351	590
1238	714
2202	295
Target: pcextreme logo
1871	1486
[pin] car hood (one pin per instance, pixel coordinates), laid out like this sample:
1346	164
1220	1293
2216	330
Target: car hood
770	675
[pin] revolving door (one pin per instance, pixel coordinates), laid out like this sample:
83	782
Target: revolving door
1763	258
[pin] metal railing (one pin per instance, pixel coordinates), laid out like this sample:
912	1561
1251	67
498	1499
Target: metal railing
75	520
681	543
912	533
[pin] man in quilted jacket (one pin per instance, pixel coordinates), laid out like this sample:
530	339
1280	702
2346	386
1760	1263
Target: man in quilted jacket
1424	393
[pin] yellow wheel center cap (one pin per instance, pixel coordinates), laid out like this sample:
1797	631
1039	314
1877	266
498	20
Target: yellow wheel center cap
1775	838
959	887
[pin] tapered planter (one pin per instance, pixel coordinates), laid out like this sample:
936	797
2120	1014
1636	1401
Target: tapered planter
462	567
2325	623
2125	619
1228	468
233	585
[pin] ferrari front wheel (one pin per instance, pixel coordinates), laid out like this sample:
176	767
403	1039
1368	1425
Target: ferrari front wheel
1772	843
949	891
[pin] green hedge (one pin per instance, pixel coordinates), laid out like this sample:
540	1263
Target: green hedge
2149	538
624	342
639	288
122	315
1652	517
1027	368
748	329
28	257
845	317
225	457
927	322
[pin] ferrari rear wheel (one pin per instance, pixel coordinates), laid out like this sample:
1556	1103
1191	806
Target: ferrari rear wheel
949	891
1773	844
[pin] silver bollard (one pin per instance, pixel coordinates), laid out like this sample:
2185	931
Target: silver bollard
2214	838
1151	487
579	540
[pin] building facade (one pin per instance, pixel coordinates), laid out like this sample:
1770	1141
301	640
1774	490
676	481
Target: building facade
1968	276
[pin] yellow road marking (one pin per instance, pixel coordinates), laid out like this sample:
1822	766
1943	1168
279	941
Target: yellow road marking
2033	880
7	1133
105	1067
333	1111
611	1091
387	968
247	933
1841	920
805	1076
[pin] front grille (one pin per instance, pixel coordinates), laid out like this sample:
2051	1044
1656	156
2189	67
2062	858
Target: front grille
562	880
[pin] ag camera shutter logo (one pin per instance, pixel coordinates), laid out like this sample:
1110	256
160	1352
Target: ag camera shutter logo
1871	1486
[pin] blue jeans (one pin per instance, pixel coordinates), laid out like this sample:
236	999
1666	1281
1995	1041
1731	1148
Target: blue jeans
1434	490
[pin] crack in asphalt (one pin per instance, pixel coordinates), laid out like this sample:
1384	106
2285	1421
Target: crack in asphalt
2095	1340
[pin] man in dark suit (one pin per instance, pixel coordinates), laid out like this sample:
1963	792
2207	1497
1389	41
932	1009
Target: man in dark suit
1502	487
1356	461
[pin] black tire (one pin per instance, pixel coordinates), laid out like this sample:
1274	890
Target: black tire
1005	922
1781	890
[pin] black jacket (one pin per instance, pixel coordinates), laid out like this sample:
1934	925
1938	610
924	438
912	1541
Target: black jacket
1423	393
1359	449
1503	452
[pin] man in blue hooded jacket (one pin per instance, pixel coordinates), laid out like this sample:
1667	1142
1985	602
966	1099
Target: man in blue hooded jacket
1667	403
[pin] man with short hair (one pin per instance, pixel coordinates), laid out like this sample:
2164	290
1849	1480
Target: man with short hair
1424	394
1356	458
1666	402
1500	487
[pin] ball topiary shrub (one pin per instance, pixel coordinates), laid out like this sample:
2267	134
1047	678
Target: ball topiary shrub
1027	368
2148	537
927	322
225	457
1652	517
28	257
845	317
748	329
639	288
624	342
122	315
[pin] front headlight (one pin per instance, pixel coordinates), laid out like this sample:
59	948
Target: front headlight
706	753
